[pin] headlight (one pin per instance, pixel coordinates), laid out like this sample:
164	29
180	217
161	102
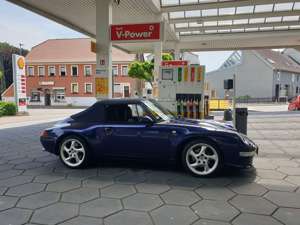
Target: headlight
244	139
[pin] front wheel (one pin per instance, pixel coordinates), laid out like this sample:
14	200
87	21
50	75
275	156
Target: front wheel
73	152
201	159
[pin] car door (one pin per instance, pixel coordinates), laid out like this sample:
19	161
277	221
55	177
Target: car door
121	131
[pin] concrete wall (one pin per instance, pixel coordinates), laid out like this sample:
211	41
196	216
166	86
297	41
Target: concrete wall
253	77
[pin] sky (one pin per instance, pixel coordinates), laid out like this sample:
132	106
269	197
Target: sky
18	25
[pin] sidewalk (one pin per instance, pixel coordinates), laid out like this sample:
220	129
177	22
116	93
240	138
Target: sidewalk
36	116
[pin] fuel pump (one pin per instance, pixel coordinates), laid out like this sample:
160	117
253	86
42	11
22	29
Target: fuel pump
179	74
185	109
192	74
186	73
191	106
179	105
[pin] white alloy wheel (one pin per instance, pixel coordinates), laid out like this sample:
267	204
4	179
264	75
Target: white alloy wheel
72	152
202	159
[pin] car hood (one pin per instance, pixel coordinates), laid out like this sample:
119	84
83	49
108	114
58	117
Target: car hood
205	124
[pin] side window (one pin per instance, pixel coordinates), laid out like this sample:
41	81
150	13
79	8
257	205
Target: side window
119	113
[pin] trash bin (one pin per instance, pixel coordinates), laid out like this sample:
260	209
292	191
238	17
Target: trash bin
227	115
241	115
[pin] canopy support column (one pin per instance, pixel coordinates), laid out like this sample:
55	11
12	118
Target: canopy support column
157	63
104	79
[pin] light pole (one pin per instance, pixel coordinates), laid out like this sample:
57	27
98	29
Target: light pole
21	45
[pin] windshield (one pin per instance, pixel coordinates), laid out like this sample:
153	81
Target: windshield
159	112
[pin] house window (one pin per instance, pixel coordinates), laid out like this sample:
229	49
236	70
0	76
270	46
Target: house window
74	88
126	91
41	71
74	69
51	71
59	95
124	70
114	70
30	70
63	71
88	88
87	70
35	96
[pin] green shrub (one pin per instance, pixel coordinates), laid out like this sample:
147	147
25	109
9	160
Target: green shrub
8	109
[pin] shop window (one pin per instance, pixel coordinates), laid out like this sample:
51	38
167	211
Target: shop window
88	88
41	71
63	71
74	69
115	70
124	70
59	95
35	96
51	71
87	70
74	88
30	70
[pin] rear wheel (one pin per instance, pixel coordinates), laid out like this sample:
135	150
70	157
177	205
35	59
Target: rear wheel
201	159
73	152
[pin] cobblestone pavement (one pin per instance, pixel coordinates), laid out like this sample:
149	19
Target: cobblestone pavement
35	188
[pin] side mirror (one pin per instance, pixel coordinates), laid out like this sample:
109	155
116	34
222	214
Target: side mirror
147	120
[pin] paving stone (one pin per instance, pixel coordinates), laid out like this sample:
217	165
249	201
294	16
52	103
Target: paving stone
210	222
251	219
253	204
293	179
29	165
284	199
82	174
180	197
130	178
98	182
152	188
215	210
215	193
5	167
10	173
64	185
80	195
15	216
48	178
171	215
111	171
142	201
100	207
271	174
38	200
14	181
83	220
290	170
248	188
25	189
127	217
118	191
288	216
54	214
3	190
7	202
277	185
185	183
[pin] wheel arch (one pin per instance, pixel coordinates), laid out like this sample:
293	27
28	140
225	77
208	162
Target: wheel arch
62	137
188	140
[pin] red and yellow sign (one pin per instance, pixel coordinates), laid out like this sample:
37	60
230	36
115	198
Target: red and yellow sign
135	32
21	63
101	86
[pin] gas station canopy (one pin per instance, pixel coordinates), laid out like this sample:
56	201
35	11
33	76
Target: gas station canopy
193	25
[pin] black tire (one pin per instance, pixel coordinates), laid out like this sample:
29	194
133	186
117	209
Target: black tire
208	144
87	155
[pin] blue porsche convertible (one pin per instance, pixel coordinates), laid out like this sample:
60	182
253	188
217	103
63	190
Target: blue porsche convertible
143	129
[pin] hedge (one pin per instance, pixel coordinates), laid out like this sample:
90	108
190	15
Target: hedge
8	109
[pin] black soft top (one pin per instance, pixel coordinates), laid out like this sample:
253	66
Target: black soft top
96	112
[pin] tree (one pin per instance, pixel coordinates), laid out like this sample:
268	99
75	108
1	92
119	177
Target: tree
144	70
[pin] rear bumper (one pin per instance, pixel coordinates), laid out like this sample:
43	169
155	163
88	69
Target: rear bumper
49	144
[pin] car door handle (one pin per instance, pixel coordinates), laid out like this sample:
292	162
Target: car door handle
108	130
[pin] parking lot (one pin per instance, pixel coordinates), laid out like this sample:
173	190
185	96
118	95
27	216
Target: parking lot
36	188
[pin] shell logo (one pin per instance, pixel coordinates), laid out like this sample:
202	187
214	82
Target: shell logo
21	63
